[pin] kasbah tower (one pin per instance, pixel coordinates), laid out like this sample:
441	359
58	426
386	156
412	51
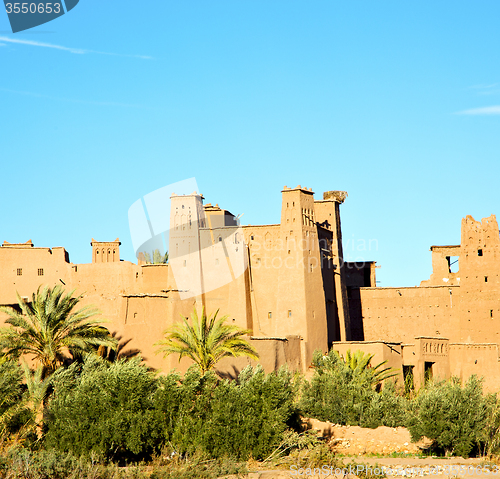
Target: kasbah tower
289	284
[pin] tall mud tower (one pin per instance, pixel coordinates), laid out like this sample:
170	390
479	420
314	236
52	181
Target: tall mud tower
301	299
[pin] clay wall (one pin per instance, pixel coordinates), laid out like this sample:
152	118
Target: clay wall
25	269
480	281
480	359
443	258
381	350
301	298
401	314
431	359
338	315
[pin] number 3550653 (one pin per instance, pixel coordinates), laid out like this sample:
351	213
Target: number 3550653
33	7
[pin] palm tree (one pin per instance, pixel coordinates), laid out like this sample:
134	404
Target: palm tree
206	341
118	352
359	363
48	327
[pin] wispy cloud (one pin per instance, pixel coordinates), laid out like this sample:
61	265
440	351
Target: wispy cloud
487	110
483	86
72	100
78	51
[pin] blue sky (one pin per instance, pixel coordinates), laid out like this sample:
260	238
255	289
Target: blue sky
396	102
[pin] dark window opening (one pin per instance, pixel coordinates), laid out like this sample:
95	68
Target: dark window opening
486	279
19	271
289	313
480	252
452	264
408	379
270	315
427	371
40	271
491	313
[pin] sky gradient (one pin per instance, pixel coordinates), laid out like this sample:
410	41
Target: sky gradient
395	102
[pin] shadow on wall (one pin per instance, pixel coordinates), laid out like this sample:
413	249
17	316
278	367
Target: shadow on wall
356	314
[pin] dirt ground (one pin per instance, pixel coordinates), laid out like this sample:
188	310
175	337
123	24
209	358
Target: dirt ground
371	448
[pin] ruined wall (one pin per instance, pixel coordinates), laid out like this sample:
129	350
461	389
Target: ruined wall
445	260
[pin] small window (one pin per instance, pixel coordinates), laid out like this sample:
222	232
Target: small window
270	315
19	271
289	313
40	271
486	279
491	313
97	252
220	239
311	268
251	237
480	252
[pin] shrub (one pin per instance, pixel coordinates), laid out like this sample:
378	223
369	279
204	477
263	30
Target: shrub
341	395
455	417
238	419
105	408
12	413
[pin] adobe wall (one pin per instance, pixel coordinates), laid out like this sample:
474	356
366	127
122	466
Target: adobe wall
442	266
35	265
401	314
480	359
274	353
480	281
381	350
431	351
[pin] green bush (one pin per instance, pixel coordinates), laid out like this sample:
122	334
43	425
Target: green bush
455	417
105	408
12	413
341	395
237	419
122	412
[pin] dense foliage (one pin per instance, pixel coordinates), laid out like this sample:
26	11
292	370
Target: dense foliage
105	408
10	395
455	417
124	412
344	395
240	418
